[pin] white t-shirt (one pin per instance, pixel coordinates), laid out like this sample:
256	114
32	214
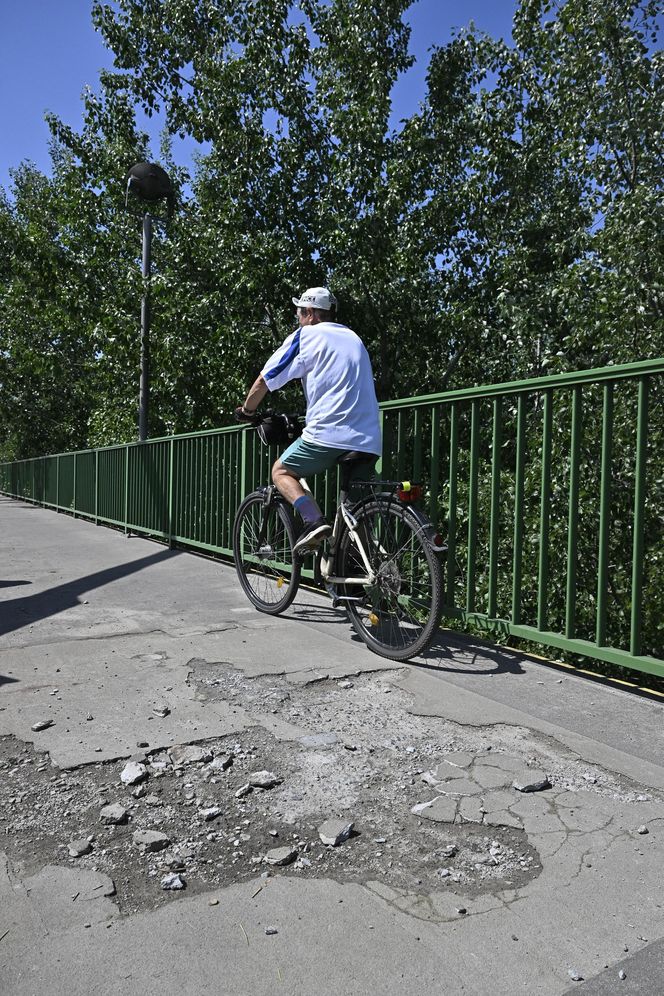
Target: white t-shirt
335	370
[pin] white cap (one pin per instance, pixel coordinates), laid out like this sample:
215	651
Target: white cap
316	297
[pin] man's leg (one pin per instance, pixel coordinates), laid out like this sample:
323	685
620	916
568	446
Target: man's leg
287	483
314	526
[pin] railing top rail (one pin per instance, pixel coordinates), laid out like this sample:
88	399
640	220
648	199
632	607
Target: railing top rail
575	378
122	446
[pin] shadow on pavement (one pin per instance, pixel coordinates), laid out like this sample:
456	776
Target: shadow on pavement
468	655
19	612
13	584
465	654
311	612
6	680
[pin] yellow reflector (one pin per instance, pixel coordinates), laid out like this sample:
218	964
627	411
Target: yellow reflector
405	485
280	582
373	619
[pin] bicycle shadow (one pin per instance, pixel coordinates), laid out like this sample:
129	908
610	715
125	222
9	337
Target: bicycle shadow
311	612
460	653
456	653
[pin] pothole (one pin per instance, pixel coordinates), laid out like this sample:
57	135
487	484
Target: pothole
361	758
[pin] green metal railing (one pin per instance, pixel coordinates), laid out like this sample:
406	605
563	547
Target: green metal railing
551	493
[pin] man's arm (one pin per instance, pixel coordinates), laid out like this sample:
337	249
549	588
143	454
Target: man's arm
257	392
247	411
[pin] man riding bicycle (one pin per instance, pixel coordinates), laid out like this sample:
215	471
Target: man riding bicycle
342	410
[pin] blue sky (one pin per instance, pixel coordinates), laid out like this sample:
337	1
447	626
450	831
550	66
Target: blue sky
49	52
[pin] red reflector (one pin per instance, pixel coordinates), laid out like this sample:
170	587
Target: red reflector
410	494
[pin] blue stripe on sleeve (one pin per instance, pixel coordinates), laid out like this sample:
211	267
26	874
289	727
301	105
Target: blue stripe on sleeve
289	356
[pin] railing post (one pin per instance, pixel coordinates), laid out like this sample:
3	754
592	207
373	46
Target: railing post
96	487
494	525
573	515
639	507
452	501
244	465
57	483
126	490
604	511
434	474
472	505
520	459
545	514
74	498
171	459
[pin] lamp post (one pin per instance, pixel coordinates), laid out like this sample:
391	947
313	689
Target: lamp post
151	184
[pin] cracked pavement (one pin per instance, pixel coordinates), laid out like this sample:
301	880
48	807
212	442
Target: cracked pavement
454	880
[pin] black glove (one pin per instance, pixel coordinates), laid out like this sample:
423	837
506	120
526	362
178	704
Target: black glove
251	418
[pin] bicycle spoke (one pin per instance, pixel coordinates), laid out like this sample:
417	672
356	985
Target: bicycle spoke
263	541
404	604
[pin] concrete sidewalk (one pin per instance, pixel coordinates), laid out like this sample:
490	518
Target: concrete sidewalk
129	650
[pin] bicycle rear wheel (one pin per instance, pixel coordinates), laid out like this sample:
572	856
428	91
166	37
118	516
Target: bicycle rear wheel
268	570
400	613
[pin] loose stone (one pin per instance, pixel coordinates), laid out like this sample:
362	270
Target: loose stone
281	855
622	975
77	848
271	930
335	832
243	790
211	813
114	814
643	829
190	754
133	773
161	709
151	840
264	779
173	881
531	781
42	724
574	975
221	763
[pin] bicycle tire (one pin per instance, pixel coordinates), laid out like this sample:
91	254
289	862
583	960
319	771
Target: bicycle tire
269	576
398	618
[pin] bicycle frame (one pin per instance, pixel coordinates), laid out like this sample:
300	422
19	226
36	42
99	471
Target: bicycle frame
327	563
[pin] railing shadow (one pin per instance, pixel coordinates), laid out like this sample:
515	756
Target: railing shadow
16	613
13	584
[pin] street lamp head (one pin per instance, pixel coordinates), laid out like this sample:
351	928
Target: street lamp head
150	183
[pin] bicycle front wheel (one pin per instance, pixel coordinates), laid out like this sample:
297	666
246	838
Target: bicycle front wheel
263	540
400	612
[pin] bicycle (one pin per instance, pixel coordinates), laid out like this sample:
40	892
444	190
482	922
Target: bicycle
381	561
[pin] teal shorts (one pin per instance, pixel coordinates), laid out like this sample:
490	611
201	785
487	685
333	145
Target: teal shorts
306	459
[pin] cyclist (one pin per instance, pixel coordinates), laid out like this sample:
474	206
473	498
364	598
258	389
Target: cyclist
342	410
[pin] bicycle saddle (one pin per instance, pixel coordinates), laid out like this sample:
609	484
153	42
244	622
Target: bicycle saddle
354	456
